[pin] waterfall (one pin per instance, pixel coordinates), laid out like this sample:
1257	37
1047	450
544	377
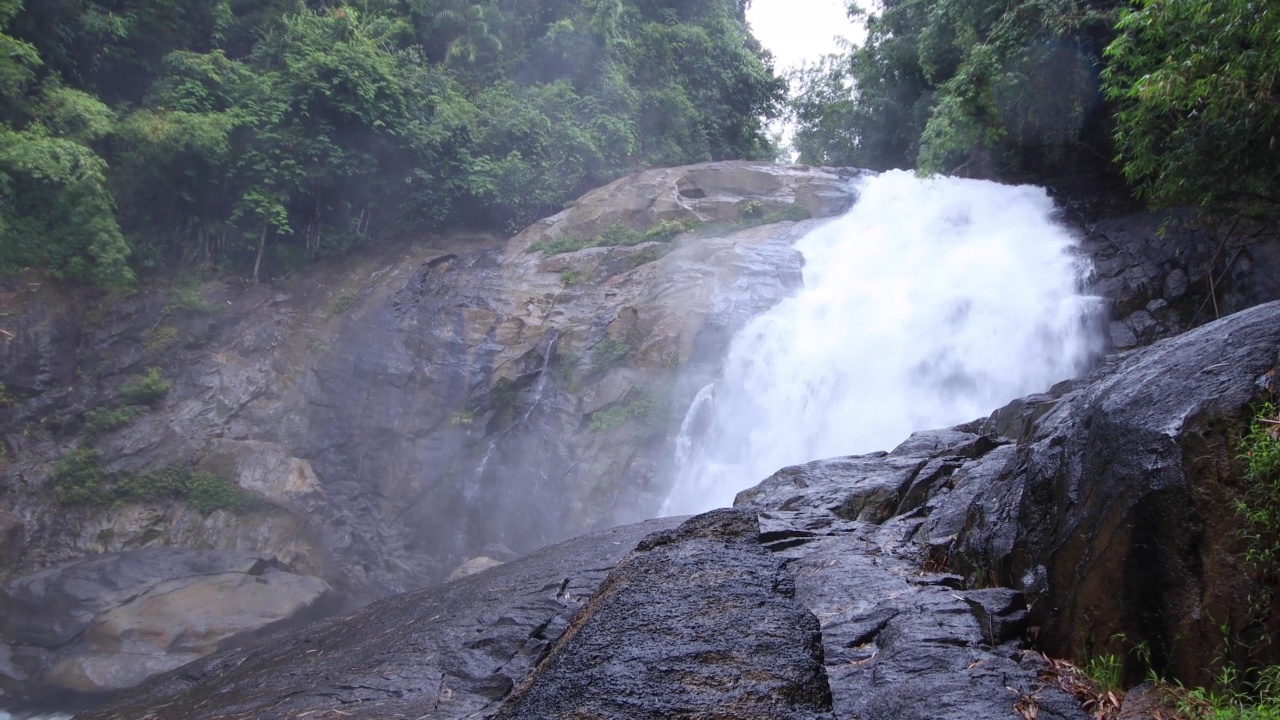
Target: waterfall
930	303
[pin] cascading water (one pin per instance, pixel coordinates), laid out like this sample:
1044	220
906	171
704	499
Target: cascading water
931	303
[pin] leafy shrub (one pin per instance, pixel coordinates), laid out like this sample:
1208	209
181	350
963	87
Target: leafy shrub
619	235
1259	509
751	208
159	339
148	388
204	491
791	213
345	302
569	277
78	478
1199	130
188	297
559	246
615	236
668	229
609	352
639	406
108	418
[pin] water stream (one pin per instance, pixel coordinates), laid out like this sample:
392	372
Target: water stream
931	303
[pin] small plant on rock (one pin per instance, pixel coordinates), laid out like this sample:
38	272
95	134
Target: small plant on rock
148	388
1259	509
108	418
345	302
609	352
78	478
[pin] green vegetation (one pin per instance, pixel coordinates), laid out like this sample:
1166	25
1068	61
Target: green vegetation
615	236
1201	130
79	479
609	352
108	418
638	405
140	135
137	395
959	87
6	400
1188	109
148	388
1259	508
1260	701
570	277
1106	672
160	339
343	303
187	297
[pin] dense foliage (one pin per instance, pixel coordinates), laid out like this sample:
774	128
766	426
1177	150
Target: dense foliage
1183	95
1197	88
959	86
259	135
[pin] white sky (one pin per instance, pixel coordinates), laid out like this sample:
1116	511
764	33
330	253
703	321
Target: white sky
799	30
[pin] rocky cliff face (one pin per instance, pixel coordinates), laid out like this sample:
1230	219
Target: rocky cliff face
434	409
893	585
399	416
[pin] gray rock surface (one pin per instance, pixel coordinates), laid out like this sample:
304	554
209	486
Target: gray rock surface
109	622
449	651
1167	272
700	621
408	409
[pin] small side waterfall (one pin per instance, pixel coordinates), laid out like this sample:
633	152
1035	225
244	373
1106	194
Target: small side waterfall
931	303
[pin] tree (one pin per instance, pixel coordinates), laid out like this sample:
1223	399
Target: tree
977	87
1197	89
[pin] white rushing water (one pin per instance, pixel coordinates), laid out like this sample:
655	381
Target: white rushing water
931	303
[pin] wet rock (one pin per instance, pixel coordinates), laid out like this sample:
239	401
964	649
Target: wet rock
110	622
698	622
450	651
473	566
902	641
1166	272
1123	498
1147	701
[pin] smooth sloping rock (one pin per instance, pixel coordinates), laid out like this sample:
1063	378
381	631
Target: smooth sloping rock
450	651
700	622
110	622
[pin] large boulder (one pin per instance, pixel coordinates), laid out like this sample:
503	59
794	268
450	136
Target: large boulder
104	624
1109	502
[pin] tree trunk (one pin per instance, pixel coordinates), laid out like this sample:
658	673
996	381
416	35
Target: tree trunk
262	245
